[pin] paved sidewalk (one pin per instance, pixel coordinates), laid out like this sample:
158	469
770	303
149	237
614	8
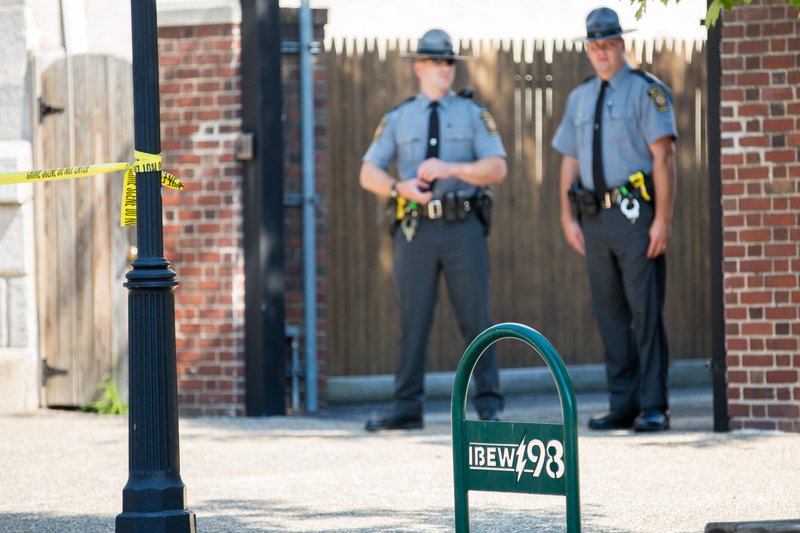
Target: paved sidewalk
64	472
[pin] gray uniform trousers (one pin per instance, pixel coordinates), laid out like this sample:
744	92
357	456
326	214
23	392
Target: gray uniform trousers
628	297
459	250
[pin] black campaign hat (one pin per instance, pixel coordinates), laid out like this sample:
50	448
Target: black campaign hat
434	44
602	23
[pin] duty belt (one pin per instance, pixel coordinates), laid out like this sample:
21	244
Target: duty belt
436	209
611	198
614	197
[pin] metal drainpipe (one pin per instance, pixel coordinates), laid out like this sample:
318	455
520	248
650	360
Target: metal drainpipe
309	211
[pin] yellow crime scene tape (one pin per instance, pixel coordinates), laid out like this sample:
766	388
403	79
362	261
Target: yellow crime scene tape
143	162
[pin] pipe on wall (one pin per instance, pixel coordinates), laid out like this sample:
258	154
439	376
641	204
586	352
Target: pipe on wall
309	207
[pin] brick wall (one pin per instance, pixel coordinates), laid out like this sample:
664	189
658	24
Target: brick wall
761	221
200	117
203	234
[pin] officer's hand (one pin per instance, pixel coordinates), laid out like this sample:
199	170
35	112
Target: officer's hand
433	169
574	235
412	190
660	235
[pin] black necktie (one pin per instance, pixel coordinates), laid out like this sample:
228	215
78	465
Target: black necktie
433	131
598	175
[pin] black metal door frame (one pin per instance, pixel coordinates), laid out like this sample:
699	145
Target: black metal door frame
263	209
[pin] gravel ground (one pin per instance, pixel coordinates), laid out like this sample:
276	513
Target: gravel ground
64	472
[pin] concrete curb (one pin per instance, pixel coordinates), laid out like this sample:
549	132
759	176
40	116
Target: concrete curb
770	526
438	385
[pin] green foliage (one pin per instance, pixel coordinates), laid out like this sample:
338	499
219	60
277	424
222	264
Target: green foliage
714	10
109	403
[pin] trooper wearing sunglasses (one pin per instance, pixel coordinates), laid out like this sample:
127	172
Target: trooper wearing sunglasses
448	152
618	182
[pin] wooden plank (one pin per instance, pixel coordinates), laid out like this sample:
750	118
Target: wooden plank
120	148
84	376
62	391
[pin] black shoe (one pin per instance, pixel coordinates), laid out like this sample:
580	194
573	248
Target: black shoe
611	421
394	421
652	420
490	416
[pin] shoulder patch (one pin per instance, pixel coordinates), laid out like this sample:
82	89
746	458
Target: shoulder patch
488	121
659	98
379	129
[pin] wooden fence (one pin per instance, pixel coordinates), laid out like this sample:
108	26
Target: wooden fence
536	278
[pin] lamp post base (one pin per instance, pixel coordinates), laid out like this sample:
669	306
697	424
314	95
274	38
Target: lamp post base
162	522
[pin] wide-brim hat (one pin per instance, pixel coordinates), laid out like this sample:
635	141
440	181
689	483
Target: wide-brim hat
602	23
435	44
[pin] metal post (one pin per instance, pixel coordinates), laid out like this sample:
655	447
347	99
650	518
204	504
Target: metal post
309	218
569	412
154	499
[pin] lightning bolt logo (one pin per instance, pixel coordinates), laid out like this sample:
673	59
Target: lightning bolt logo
521	460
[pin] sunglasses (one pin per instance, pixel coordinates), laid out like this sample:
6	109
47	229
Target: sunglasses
441	61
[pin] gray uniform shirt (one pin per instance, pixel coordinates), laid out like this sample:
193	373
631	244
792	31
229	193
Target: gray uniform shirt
637	112
467	133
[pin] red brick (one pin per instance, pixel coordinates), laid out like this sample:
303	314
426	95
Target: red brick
779	125
779	187
786	344
777	62
777	93
739	410
754	265
784	219
758	173
751	393
781	250
750	361
783	411
752	110
745	79
754	298
754	204
781	156
738	377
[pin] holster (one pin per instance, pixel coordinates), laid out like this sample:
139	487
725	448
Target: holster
391	216
484	199
583	201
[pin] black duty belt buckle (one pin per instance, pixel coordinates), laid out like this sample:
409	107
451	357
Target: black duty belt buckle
434	209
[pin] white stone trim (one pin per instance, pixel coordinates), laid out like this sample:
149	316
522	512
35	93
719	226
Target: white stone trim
173	13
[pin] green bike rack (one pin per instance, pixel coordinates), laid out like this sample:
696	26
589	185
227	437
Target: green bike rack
515	456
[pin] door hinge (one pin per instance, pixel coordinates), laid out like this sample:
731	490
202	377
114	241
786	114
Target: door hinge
47	109
49	371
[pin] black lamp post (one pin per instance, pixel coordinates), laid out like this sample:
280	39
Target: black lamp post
154	498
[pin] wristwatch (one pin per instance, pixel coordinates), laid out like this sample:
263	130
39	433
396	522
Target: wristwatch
393	191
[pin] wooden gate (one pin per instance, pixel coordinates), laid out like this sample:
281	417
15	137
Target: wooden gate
536	278
81	251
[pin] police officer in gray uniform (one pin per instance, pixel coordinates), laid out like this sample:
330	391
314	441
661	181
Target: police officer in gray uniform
448	151
618	169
